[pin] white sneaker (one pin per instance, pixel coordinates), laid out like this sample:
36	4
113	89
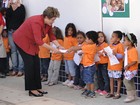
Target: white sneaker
71	84
66	82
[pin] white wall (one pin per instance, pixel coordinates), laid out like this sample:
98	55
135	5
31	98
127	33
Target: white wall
131	24
85	14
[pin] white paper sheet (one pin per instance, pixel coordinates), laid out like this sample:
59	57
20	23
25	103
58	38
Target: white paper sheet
77	58
112	58
63	51
125	57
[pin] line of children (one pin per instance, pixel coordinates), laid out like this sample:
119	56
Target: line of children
55	63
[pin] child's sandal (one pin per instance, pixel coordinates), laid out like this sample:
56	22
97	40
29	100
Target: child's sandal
117	96
110	95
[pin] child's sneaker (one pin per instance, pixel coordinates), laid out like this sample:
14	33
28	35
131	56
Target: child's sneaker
46	83
85	93
91	94
77	87
66	82
70	84
98	91
103	93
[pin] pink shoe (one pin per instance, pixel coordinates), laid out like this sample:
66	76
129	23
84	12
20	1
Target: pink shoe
103	93
98	91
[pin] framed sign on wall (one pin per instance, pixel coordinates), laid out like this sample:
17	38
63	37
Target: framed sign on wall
115	8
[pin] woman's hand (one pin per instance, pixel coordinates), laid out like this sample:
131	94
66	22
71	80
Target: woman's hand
61	47
56	51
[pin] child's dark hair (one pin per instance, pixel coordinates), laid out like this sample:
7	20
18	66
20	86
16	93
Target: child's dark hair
81	33
132	38
70	25
93	35
105	40
119	34
58	33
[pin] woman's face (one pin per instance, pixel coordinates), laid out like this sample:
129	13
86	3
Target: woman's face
49	21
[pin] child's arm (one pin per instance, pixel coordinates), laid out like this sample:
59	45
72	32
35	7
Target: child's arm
129	65
74	48
57	44
119	56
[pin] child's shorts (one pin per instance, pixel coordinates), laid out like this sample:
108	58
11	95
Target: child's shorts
114	74
88	74
70	67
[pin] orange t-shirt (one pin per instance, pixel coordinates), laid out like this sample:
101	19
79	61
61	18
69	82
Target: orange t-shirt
132	55
120	50
89	51
44	52
57	56
68	43
103	59
84	43
6	44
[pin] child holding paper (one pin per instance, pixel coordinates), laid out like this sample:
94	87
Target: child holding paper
102	72
115	70
130	66
78	82
70	41
55	63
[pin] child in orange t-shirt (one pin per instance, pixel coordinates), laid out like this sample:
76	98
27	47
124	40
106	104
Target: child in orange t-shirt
102	73
7	48
55	63
115	70
130	66
78	82
44	55
70	41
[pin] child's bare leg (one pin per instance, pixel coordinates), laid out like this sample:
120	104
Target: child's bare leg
119	85
111	85
72	78
92	87
69	77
